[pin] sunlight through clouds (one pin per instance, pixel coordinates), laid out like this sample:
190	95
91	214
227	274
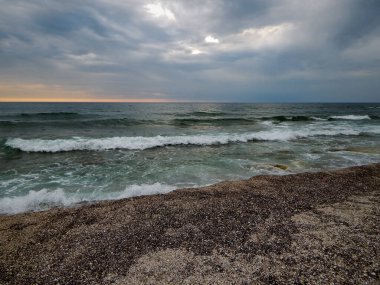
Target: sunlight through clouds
158	11
211	40
196	52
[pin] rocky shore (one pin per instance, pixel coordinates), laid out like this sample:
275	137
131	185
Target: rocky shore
310	228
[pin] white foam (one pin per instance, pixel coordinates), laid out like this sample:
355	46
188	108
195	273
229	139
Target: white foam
36	201
145	189
318	119
45	199
267	123
141	143
351	117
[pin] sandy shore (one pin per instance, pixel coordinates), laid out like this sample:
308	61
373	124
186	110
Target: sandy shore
311	228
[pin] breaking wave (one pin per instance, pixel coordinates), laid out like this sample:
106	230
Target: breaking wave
314	118
351	117
45	199
75	120
141	143
36	201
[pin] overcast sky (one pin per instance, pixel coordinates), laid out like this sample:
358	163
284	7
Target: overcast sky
193	50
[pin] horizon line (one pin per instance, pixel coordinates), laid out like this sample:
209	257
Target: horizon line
180	101
62	100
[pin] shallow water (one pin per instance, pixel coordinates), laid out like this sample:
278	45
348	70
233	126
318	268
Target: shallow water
58	154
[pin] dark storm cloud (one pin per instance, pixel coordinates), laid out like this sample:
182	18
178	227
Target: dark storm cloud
195	50
363	20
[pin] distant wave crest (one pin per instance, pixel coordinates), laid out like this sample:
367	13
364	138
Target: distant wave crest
51	115
290	118
351	117
121	122
212	121
205	113
314	118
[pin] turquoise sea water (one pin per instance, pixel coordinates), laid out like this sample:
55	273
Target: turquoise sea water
58	154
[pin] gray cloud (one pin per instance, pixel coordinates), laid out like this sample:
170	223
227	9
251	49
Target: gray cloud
289	50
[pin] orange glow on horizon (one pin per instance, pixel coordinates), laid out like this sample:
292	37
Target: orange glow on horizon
86	100
36	92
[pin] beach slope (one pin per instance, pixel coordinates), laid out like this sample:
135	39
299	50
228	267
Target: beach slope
314	228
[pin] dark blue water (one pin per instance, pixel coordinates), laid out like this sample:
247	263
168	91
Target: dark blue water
58	154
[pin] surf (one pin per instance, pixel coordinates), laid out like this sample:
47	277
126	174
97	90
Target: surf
141	143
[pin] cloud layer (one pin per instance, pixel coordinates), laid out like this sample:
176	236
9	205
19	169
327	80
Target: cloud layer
213	50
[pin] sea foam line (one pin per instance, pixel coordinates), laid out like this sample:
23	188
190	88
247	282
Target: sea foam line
46	199
141	143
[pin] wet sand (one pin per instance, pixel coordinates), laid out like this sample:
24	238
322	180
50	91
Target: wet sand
310	228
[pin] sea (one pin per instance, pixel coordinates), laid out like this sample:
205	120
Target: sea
65	154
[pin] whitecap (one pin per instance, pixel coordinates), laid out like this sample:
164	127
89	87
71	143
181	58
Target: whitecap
351	117
46	199
141	143
36	201
318	119
145	189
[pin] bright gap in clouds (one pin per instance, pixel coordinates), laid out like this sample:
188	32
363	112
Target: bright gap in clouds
157	10
211	40
196	51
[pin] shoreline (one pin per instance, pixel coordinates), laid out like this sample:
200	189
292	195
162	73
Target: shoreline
317	228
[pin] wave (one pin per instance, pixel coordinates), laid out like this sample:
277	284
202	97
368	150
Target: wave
59	115
36	119
45	199
242	120
318	119
74	120
289	118
203	114
350	117
120	122
281	118
141	143
212	121
80	123
36	201
314	118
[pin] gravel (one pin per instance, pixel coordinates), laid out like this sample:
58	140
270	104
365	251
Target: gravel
309	228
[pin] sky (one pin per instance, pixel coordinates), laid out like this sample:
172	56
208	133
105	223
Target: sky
190	50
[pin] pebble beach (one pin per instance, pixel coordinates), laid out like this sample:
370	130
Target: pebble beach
307	228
